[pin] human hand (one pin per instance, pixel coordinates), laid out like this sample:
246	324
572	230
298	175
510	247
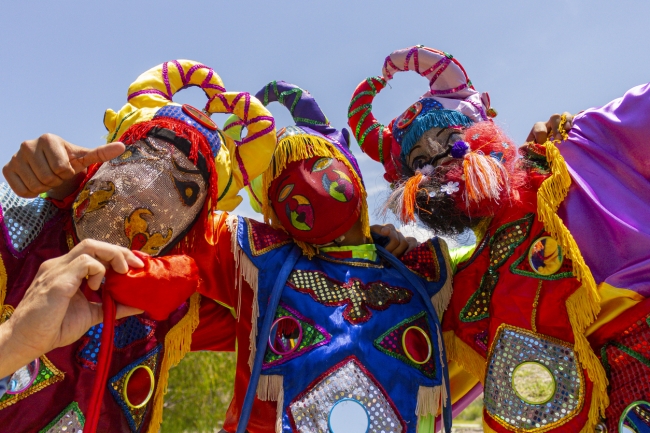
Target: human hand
543	131
49	163
54	312
398	244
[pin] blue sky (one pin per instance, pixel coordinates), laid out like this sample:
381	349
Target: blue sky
65	62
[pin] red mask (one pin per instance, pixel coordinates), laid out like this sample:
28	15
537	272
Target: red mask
316	200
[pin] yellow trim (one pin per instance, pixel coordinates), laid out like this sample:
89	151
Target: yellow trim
583	306
408	355
177	344
470	360
613	303
126	382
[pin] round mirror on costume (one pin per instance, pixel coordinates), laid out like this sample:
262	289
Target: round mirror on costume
348	416
635	418
285	336
533	382
23	377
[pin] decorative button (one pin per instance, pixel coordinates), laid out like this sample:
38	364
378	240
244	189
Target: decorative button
409	115
545	256
200	117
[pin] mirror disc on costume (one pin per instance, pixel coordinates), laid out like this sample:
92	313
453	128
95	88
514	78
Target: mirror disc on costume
545	256
417	345
409	115
635	418
138	386
286	335
533	382
23	377
200	117
348	416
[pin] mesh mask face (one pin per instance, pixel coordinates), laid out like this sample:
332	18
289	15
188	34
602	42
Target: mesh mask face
144	199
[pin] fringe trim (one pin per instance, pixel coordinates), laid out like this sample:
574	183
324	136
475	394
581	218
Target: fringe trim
298	148
3	283
245	270
441	299
428	402
177	344
279	411
270	387
468	358
584	305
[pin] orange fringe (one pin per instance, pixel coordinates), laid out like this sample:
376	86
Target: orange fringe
410	191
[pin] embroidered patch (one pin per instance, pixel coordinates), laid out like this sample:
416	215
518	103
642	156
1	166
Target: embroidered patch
627	362
263	238
502	246
309	411
129	332
521	266
358	297
47	375
394	342
133	387
313	336
513	347
71	420
423	260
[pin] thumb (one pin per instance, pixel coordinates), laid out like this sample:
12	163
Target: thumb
81	157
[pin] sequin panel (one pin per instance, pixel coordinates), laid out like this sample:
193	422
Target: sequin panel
264	238
423	261
23	219
627	362
358	297
513	346
309	412
47	375
71	420
134	415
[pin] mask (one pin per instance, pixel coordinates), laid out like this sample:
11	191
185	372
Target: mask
145	199
316	200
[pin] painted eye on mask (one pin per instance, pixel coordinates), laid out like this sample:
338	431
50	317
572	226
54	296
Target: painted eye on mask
131	154
302	214
341	188
284	193
89	201
187	190
321	164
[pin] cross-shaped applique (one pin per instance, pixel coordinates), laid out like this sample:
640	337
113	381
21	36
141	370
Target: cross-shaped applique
359	297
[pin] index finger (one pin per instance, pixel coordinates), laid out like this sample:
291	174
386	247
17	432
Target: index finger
119	258
86	157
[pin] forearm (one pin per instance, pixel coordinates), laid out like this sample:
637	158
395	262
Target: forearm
14	354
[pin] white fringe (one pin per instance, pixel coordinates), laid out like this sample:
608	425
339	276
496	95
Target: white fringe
244	270
428	402
270	387
441	299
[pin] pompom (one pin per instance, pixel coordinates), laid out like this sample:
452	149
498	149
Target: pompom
459	149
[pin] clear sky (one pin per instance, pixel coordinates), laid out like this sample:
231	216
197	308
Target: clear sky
65	62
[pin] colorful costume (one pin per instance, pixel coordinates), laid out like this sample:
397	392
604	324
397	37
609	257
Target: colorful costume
156	197
330	329
538	284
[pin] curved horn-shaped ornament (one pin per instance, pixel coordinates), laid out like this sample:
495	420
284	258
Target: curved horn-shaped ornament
445	74
300	103
252	155
156	88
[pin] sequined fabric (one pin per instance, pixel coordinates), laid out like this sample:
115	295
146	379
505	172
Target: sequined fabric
423	261
47	375
391	343
313	336
513	346
627	362
23	219
71	420
358	297
134	416
309	411
502	246
263	238
143	200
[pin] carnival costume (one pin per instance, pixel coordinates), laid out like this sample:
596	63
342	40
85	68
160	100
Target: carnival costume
564	258
325	330
157	197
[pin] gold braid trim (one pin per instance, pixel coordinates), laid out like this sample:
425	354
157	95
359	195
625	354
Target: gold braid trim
177	344
584	305
3	283
463	354
297	148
